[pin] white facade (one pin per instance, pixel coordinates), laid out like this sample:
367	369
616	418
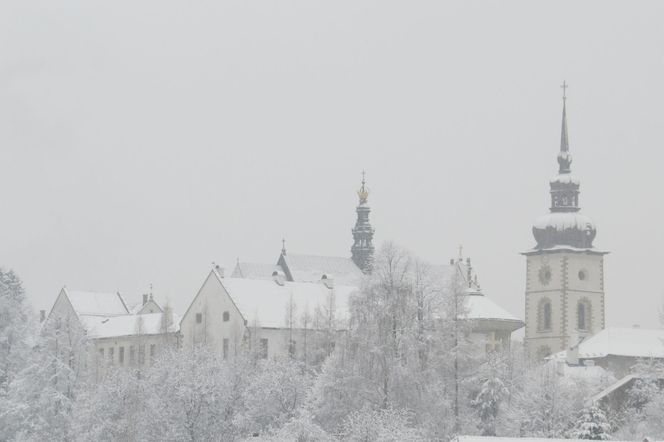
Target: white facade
266	318
102	332
564	299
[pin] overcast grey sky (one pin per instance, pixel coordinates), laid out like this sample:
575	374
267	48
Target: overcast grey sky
141	140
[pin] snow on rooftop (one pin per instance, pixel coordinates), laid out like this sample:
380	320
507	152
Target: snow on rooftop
617	341
511	439
255	270
310	268
480	307
267	302
562	221
96	303
565	178
126	325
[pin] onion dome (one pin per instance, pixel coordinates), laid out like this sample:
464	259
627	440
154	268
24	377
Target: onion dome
564	225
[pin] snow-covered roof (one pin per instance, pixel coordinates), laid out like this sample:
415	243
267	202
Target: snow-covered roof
477	305
255	270
618	384
565	178
617	341
310	268
266	302
481	307
563	221
126	325
511	439
96	303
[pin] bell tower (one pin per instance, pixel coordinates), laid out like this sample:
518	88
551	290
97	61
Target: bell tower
564	271
362	249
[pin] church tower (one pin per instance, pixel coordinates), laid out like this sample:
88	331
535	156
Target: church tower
363	249
564	272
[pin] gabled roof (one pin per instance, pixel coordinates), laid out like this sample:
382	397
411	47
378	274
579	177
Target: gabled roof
480	307
310	268
255	270
266	303
127	325
96	303
620	384
616	341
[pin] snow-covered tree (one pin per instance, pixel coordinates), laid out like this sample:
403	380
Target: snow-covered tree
16	329
592	424
384	425
275	390
42	395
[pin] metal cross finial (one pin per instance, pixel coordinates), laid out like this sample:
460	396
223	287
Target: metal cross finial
460	252
564	87
363	175
283	246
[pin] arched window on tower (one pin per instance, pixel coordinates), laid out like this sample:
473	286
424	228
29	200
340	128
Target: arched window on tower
583	315
544	315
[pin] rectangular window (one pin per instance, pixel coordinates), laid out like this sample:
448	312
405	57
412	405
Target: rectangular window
225	349
292	348
227	316
101	354
153	352
262	351
111	355
121	356
141	354
132	355
199	318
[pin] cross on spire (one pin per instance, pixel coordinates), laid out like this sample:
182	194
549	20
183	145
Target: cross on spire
283	246
564	87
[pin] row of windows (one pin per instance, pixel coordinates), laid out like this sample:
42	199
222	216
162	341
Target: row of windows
226	317
544	315
108	354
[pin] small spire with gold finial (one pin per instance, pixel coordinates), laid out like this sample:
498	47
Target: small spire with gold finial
363	193
283	246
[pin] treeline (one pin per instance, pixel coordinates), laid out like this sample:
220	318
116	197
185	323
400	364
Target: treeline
408	371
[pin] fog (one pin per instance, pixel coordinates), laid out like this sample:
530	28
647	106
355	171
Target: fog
143	140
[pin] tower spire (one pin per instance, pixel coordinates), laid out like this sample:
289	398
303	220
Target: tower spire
564	157
362	249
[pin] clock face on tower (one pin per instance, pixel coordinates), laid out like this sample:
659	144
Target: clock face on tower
544	274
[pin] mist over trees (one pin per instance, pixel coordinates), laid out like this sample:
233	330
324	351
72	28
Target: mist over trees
406	370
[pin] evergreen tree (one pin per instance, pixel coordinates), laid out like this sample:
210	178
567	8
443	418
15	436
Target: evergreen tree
592	425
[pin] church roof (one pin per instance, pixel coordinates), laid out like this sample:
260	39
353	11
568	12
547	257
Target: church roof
255	270
96	303
477	305
310	268
482	307
127	325
266	302
617	341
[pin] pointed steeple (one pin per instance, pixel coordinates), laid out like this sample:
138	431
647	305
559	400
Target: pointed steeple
564	157
564	226
363	249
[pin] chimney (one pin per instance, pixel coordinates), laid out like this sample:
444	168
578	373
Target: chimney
42	315
145	298
572	355
278	277
219	270
328	280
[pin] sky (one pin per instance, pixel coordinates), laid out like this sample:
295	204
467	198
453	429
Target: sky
143	140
